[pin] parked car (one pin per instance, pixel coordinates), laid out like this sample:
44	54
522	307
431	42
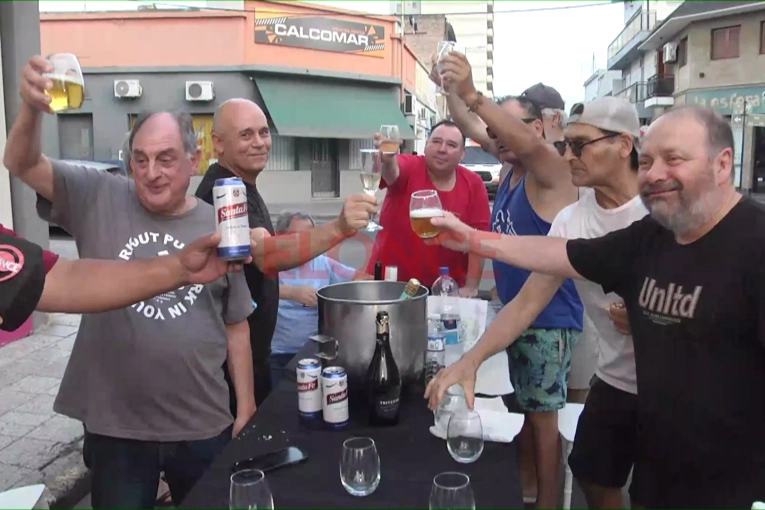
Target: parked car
485	165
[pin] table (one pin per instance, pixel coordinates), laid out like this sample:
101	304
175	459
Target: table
409	456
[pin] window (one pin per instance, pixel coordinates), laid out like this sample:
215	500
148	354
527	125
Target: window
682	52
762	37
725	42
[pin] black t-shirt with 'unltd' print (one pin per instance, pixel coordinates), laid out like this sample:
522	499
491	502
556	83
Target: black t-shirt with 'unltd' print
697	314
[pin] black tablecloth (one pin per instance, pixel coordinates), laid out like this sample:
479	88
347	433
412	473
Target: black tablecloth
410	456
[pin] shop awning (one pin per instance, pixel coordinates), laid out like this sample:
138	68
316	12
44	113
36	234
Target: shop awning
316	108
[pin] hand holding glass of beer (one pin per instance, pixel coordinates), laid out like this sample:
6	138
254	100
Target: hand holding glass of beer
423	206
68	92
391	139
370	179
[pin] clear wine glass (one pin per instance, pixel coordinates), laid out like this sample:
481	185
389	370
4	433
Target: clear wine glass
451	490
453	401
371	168
249	490
391	139
464	436
423	206
360	466
444	48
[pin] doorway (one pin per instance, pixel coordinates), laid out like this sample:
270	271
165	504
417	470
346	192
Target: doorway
758	157
75	136
325	168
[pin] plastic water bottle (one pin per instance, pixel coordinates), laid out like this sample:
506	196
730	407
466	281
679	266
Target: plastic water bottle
435	354
446	287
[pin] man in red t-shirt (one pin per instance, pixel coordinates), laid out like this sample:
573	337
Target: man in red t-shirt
461	191
32	278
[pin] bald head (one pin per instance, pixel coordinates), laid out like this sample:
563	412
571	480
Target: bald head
241	137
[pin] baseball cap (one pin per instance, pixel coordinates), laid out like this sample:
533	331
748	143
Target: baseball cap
607	113
545	97
22	279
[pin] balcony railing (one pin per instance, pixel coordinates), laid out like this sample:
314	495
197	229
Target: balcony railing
660	86
645	21
637	92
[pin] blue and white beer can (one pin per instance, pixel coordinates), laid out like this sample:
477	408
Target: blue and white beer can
230	201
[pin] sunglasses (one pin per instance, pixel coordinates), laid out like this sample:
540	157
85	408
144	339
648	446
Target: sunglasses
577	146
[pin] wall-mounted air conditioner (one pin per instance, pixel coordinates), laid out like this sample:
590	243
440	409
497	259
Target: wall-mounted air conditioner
669	53
199	91
127	89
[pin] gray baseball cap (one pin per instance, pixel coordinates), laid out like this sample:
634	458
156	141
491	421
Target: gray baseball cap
609	114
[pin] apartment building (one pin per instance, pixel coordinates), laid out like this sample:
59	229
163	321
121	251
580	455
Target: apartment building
602	83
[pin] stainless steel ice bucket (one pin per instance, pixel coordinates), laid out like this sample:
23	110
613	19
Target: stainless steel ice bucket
347	314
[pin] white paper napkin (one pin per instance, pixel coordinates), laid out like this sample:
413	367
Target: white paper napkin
499	426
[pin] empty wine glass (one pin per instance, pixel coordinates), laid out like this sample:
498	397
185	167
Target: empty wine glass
444	48
392	139
360	466
249	490
371	166
451	491
464	436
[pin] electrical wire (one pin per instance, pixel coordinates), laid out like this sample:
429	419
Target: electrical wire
317	7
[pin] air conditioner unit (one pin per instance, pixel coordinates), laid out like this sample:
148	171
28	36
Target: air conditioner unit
127	89
669	53
408	106
199	91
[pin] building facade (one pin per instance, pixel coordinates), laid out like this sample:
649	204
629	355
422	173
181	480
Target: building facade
708	53
327	80
602	83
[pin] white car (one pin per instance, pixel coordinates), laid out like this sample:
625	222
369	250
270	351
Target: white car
485	165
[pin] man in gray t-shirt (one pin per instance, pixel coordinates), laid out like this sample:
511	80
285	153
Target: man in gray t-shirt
147	381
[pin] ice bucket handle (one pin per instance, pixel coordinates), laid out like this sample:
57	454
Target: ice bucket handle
328	347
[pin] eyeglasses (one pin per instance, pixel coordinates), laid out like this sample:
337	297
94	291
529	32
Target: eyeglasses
577	146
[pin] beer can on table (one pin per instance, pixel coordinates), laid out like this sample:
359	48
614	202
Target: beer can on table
309	389
230	201
334	386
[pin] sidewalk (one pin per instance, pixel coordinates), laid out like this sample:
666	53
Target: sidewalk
320	210
36	444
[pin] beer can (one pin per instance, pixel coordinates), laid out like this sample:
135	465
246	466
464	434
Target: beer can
230	201
309	390
334	386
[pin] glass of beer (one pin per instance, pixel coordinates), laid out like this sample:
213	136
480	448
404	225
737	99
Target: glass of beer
444	48
423	206
392	140
68	92
371	167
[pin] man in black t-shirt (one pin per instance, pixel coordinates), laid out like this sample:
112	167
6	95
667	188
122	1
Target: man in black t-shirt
692	276
242	141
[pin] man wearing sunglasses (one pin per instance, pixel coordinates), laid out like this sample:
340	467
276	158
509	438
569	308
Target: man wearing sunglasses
528	200
600	147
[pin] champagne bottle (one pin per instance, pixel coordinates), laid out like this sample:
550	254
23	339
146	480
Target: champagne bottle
412	286
383	378
378	271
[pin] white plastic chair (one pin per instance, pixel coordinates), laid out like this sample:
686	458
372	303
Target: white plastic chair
568	418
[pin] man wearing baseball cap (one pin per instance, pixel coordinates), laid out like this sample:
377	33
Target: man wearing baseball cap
600	148
35	279
553	109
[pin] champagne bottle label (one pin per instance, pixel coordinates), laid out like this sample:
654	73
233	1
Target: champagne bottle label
386	406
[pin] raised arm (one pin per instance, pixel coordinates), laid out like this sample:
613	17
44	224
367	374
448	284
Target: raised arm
283	252
532	151
92	286
23	155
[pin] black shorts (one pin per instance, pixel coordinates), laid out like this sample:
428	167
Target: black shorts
606	437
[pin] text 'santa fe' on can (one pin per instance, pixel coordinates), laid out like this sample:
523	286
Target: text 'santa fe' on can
230	201
309	389
334	386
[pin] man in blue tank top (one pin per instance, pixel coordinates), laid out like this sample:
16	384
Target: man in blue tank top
536	189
